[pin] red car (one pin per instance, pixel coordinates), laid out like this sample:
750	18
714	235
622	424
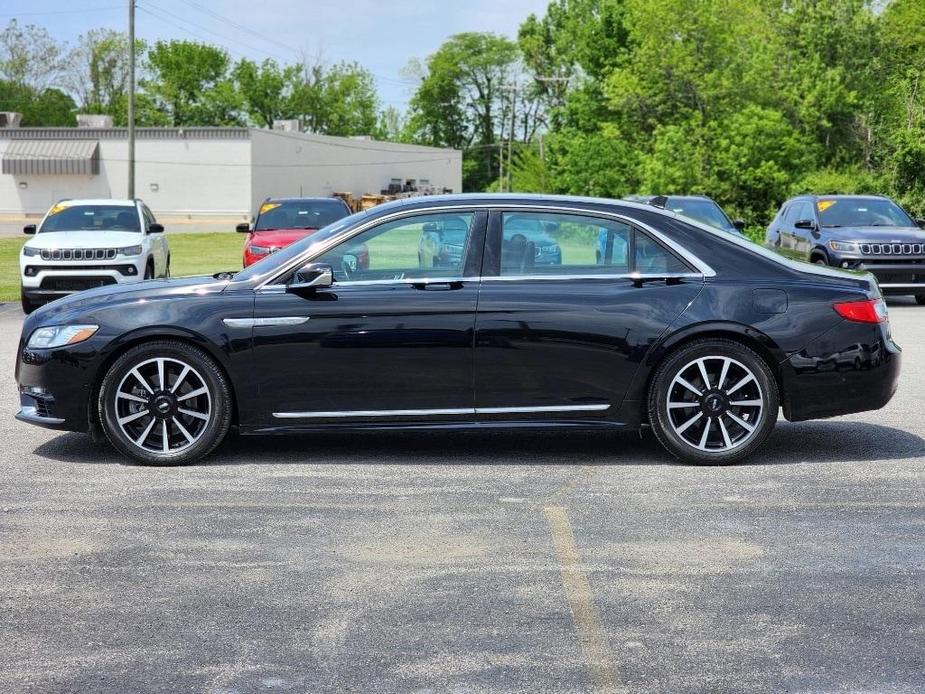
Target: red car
281	221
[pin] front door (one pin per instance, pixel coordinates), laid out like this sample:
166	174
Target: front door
569	306
391	341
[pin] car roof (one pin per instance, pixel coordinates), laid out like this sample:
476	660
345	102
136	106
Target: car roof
306	199
99	201
839	196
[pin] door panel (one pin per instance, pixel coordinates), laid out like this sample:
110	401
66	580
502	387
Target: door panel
564	340
392	339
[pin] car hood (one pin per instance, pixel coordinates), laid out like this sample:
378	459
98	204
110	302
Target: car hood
85	239
85	302
877	234
279	238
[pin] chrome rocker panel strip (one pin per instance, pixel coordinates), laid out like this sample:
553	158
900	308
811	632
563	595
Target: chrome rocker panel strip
363	414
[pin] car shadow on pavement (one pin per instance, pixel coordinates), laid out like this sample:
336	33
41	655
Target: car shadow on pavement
800	443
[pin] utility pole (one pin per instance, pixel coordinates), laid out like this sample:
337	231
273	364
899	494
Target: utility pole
510	142
131	99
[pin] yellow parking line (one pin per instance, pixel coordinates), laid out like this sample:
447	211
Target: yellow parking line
591	634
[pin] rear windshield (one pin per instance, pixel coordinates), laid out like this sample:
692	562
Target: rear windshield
296	214
705	211
861	212
63	217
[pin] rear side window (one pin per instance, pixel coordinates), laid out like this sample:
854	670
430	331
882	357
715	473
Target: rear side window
653	258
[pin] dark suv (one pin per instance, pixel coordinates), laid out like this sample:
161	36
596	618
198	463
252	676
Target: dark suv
697	207
855	232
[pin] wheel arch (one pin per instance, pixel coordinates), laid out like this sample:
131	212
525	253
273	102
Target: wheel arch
150	334
819	252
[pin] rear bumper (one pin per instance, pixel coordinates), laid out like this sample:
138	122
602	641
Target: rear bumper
852	368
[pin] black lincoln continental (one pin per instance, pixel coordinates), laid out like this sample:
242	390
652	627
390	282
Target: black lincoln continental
642	319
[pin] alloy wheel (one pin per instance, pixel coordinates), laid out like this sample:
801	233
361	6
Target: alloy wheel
715	404
163	405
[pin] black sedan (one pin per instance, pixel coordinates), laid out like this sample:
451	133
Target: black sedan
677	326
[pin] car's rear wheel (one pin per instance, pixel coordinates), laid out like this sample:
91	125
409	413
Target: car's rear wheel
28	306
713	402
165	403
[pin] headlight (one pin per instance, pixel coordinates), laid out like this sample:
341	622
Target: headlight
844	246
31	252
60	335
131	250
259	250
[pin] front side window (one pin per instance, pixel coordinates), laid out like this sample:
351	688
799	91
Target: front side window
65	217
537	243
422	246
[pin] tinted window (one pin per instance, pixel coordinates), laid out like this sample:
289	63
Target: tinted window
867	212
413	247
535	243
653	258
64	217
299	214
705	211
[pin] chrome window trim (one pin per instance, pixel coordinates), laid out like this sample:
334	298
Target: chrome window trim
342	414
621	276
315	250
921	286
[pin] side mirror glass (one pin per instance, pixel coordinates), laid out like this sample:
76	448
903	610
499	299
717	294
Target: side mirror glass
312	276
243	228
29	229
155	228
739	224
805	224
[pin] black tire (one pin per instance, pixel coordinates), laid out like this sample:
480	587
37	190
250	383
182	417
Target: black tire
820	260
204	372
28	306
920	299
167	271
761	418
149	271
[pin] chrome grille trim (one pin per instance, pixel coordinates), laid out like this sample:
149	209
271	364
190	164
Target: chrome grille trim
892	248
79	253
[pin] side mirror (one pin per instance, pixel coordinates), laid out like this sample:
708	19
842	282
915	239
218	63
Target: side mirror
155	228
920	222
739	224
243	228
29	229
806	224
312	276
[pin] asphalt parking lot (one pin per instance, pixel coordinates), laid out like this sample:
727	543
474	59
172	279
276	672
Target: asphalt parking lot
469	562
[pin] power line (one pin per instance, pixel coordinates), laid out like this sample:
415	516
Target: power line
53	12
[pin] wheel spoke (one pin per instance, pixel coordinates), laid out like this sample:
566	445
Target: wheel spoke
132	417
160	373
688	385
189	437
741	422
746	403
166	444
193	393
703	373
190	413
684	427
141	380
129	396
723	373
176	384
682	405
706	434
741	383
722	428
144	435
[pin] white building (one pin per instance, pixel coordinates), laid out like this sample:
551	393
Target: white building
198	173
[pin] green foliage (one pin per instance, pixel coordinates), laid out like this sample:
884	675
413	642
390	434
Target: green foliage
263	89
48	107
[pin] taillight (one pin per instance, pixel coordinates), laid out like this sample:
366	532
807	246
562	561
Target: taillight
867	311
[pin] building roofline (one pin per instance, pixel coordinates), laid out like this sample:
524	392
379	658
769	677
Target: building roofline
122	133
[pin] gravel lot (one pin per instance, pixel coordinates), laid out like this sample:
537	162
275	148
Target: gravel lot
477	562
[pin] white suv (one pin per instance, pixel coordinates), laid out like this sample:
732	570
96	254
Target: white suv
91	243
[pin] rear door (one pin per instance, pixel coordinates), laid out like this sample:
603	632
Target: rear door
570	303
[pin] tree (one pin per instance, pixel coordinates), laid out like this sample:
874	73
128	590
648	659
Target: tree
189	82
264	89
97	70
340	100
463	100
29	56
46	108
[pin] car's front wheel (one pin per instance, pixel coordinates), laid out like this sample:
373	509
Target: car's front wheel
713	402
165	403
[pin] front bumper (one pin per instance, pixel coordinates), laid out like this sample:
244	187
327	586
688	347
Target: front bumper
896	274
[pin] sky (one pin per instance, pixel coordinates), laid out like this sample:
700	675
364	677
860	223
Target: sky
381	35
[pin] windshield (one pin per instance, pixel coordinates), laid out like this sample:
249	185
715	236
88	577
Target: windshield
64	217
705	211
281	257
299	214
861	212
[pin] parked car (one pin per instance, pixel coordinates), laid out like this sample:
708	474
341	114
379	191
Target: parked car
443	242
697	207
528	243
281	221
855	232
81	244
705	350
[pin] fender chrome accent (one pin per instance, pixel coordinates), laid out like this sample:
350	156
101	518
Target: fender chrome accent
447	411
264	322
